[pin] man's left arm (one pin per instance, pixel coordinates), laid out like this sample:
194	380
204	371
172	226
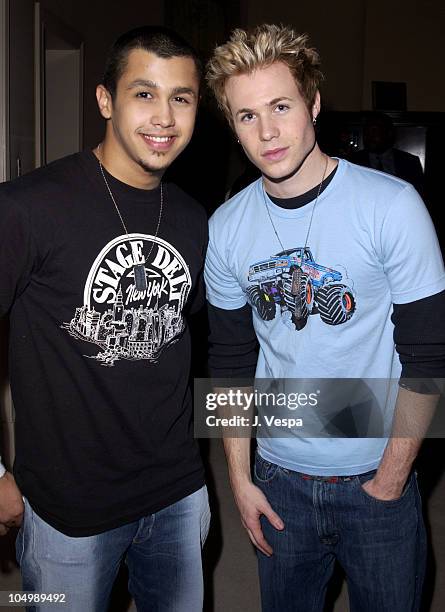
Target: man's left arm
413	414
419	335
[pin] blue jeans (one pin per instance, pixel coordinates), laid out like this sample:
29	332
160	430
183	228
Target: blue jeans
162	551
381	545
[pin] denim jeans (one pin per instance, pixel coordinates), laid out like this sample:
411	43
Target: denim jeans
162	551
381	545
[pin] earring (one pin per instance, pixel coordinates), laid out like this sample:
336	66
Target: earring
237	140
314	121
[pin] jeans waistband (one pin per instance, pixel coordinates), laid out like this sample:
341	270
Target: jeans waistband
333	479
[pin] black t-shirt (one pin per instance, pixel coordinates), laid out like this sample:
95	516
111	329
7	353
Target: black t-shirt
99	371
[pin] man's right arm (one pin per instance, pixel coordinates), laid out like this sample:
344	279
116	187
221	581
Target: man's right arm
251	501
11	504
16	261
233	355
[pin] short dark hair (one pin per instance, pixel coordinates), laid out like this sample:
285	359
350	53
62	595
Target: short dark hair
161	41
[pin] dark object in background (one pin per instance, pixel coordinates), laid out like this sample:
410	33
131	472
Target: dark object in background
388	96
379	152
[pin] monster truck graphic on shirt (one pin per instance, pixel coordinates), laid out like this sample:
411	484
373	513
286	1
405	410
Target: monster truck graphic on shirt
292	281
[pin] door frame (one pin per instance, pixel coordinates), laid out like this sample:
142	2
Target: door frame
4	90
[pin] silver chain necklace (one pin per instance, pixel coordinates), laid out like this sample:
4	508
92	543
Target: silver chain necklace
299	313
312	212
140	276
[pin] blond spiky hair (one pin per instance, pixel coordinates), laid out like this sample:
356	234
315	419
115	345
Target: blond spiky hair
245	52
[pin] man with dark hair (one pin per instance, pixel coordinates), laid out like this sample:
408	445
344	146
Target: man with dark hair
163	42
100	263
336	271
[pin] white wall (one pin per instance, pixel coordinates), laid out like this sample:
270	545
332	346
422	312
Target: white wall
62	119
404	41
369	40
336	29
99	23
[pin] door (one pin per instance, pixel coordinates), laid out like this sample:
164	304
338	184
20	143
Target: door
59	92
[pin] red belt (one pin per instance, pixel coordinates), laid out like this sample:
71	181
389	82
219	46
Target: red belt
333	479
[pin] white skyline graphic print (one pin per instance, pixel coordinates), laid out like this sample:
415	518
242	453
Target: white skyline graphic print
124	322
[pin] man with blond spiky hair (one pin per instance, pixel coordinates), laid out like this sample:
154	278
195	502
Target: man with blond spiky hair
336	271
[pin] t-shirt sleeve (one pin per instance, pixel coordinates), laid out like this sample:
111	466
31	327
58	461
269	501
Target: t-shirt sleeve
409	250
16	252
222	286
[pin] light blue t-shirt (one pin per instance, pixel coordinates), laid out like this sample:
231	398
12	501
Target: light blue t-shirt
371	244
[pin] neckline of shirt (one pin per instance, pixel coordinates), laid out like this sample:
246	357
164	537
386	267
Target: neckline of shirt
118	188
304	198
303	209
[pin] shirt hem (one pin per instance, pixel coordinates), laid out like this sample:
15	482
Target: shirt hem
225	305
73	530
423	292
